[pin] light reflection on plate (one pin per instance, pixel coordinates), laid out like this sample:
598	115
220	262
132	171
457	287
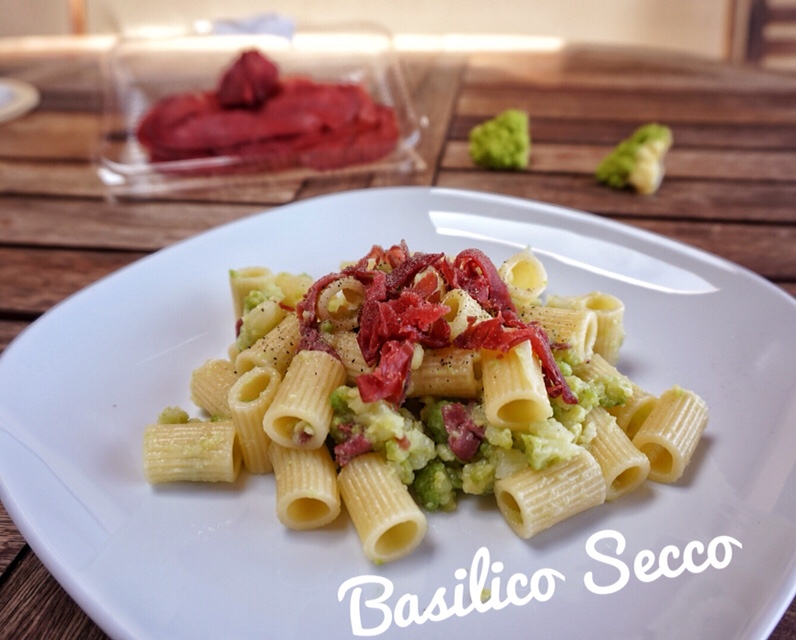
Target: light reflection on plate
78	386
607	259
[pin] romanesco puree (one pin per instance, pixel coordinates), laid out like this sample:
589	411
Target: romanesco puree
173	415
503	142
637	162
418	449
396	433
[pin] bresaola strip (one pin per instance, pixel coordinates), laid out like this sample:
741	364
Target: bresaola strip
249	82
464	435
273	123
401	310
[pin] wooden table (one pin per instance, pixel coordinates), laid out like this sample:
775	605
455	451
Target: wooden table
730	189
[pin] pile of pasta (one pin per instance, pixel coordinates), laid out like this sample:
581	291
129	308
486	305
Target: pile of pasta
546	422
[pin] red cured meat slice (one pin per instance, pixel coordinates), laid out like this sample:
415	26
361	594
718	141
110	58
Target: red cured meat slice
388	381
248	82
464	435
335	105
270	123
220	130
170	112
351	448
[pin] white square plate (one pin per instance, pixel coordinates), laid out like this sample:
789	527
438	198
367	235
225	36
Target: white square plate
192	562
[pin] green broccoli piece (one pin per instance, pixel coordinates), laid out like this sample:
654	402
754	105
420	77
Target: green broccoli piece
252	299
549	442
637	162
434	488
397	434
478	478
504	142
414	452
339	401
431	415
173	415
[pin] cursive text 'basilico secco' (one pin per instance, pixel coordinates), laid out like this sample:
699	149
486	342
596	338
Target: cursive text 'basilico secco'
482	588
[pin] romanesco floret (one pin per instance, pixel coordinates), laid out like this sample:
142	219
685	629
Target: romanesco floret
637	162
173	415
434	487
499	437
549	442
478	478
613	391
504	142
412	452
572	415
395	433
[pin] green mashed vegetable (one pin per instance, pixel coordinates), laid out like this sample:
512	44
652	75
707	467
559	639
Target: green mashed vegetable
421	445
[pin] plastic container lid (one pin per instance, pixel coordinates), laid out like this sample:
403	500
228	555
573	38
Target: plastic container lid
140	73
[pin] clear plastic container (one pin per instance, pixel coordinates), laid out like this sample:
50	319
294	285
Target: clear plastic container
139	72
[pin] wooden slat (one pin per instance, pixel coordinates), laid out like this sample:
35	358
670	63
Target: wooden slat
781	11
321	187
779	48
33	280
80	180
765	249
64	179
619	71
699	135
789	287
50	135
136	226
10	329
742	165
11	541
664	106
33	605
698	200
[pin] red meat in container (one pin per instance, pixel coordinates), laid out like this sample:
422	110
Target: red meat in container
260	120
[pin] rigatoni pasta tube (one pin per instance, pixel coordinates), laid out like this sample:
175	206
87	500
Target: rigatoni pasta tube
525	277
610	312
245	280
191	452
464	310
624	467
210	385
531	500
447	372
300	413
293	285
259	321
598	368
671	432
249	398
631	415
347	348
387	519
307	496
515	394
339	303
576	328
275	349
